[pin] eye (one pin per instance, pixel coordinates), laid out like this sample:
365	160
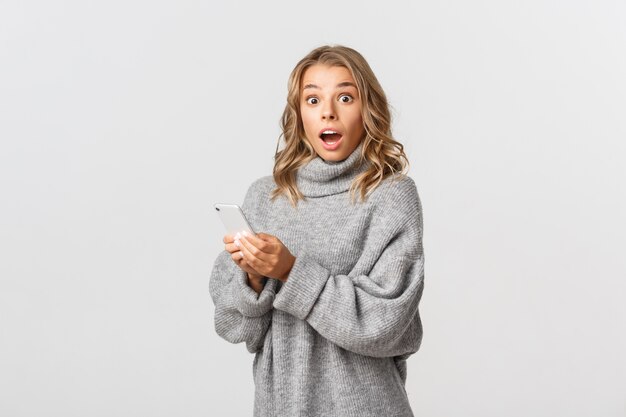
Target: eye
312	100
345	98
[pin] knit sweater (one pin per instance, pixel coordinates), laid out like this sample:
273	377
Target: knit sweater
333	339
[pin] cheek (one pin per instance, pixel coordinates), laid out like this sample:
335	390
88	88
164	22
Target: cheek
357	123
306	121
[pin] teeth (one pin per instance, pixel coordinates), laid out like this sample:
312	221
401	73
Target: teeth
329	132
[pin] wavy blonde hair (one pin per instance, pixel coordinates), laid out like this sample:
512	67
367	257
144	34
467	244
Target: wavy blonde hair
386	155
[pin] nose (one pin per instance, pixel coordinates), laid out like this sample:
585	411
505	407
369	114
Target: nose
328	111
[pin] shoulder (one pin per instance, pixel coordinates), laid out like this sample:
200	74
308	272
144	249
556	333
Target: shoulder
398	185
260	187
400	190
258	193
397	199
255	200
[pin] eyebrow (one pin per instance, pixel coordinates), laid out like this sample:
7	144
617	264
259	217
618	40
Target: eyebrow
340	85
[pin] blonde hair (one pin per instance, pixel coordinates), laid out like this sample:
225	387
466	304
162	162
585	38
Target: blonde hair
386	155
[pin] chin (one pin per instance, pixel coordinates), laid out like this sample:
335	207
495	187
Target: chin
334	157
338	154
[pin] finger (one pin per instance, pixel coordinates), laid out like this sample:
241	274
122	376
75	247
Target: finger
258	243
266	237
241	262
253	255
236	256
231	247
248	268
240	259
227	238
255	250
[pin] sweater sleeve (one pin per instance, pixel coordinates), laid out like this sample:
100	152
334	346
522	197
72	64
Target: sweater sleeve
374	314
241	315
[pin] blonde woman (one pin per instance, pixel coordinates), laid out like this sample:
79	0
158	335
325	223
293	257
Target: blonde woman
327	296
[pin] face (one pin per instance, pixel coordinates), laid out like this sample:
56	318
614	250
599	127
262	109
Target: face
330	108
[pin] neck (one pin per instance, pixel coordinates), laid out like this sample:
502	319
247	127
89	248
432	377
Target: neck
319	178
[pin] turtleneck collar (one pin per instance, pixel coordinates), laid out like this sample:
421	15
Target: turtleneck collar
319	178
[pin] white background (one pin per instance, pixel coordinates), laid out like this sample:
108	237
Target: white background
122	122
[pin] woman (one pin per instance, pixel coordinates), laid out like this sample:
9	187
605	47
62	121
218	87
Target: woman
327	296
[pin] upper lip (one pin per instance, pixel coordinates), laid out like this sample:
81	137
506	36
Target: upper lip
329	129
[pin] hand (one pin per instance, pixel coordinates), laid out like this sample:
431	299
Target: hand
267	255
237	255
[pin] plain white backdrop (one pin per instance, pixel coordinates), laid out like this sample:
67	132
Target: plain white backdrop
122	122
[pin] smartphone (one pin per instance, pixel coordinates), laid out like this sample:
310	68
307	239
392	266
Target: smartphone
233	219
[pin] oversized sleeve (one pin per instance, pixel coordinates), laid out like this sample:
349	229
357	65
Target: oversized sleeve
241	315
374	313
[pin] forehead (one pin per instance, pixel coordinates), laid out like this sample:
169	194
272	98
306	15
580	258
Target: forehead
325	76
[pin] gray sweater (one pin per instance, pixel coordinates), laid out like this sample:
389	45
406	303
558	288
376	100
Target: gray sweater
333	339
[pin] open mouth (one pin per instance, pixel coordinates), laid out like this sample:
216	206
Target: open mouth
330	137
